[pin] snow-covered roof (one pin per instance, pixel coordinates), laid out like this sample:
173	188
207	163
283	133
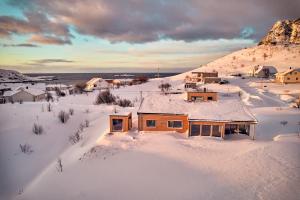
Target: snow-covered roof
123	113
271	69
289	71
56	85
93	81
32	91
222	110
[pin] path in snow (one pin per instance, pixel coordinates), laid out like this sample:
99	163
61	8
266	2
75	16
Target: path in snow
259	99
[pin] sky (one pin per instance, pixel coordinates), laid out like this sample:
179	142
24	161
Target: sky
39	36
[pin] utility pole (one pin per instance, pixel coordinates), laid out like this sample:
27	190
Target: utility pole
157	72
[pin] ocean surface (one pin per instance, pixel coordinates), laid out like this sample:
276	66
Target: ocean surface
73	78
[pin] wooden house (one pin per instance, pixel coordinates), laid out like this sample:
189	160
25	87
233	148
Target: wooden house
202	96
200	76
214	119
289	76
120	122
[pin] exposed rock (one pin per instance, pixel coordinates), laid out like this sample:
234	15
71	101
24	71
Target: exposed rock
283	33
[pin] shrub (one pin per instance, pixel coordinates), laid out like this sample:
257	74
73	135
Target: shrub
124	103
26	148
283	123
87	123
63	116
71	111
81	126
105	97
164	87
265	56
59	165
37	129
49	107
75	138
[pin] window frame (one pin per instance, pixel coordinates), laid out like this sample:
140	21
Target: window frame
151	126
173	124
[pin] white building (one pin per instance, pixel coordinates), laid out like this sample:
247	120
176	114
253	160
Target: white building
262	71
24	94
96	83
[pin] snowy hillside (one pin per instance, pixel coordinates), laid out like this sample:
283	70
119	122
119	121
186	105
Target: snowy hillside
243	60
14	76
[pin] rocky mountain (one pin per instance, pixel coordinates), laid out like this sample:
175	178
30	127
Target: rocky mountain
12	76
283	32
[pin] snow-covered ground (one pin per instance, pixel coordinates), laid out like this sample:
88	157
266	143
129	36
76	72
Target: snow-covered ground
149	165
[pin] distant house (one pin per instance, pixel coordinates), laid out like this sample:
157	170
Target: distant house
211	80
201	76
202	95
96	84
53	87
120	122
119	82
289	76
188	85
215	119
262	71
24	94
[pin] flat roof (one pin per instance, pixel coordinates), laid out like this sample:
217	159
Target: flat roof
222	110
123	113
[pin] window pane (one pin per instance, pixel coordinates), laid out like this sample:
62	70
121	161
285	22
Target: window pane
117	124
170	124
195	130
205	130
177	124
150	123
216	131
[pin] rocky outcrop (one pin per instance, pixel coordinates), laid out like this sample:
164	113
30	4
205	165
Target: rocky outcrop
283	33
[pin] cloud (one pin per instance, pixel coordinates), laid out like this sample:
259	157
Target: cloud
42	29
20	45
151	20
50	61
42	39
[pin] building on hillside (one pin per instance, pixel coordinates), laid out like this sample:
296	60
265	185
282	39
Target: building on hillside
190	85
289	76
120	122
261	71
24	94
213	118
200	76
96	84
53	87
119	82
211	80
202	95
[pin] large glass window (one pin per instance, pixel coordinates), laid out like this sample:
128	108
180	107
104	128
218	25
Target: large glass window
244	129
150	123
175	124
216	131
195	130
205	130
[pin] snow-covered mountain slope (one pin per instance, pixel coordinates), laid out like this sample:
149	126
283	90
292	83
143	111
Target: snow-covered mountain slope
14	76
279	56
